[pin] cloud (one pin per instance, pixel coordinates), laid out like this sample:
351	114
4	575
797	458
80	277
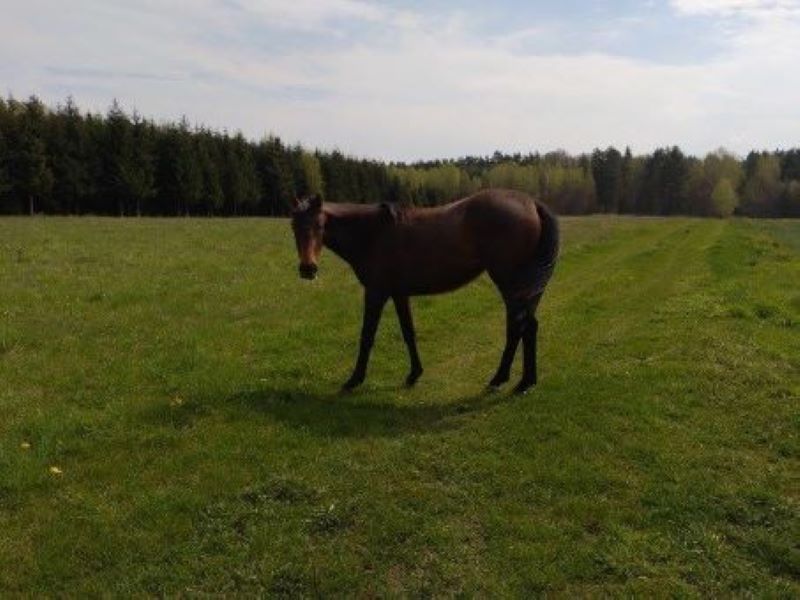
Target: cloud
310	14
400	84
746	8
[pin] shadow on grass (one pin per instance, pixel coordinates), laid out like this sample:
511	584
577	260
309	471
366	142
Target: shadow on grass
361	414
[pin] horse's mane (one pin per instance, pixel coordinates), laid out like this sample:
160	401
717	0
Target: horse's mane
399	212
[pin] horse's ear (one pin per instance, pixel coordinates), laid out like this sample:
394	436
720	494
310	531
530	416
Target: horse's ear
315	202
389	213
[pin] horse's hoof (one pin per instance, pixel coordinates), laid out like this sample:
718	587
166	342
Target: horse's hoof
523	387
351	384
412	378
497	382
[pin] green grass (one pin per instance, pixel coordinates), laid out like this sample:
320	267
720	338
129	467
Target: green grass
184	380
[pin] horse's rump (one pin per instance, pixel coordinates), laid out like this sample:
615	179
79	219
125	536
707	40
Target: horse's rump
544	261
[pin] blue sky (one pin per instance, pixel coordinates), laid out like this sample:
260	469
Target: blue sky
424	79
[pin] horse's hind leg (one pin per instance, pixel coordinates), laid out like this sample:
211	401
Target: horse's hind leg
530	333
515	322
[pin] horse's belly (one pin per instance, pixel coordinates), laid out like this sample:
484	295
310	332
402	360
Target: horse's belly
426	259
445	283
426	278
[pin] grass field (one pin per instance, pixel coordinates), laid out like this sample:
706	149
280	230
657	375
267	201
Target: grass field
170	422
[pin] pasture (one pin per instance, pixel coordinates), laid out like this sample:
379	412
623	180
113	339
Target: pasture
170	421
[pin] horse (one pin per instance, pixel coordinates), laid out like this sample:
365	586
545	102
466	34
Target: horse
398	252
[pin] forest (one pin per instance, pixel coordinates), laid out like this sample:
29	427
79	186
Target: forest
62	160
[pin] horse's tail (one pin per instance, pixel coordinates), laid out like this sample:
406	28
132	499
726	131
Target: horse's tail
540	270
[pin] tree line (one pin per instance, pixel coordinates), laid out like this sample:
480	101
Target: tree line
64	161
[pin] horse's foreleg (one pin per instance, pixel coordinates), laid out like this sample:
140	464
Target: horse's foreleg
515	321
403	308
373	307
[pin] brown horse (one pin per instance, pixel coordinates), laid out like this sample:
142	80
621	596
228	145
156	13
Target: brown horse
401	252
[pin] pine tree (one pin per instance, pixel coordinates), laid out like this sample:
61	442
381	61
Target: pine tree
627	198
607	173
791	207
790	165
337	176
275	174
665	183
178	172
188	173
29	168
117	156
251	183
94	131
168	198
68	149
5	178
138	169
675	180
209	162
231	177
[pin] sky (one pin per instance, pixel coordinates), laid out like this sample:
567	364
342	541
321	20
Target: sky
426	79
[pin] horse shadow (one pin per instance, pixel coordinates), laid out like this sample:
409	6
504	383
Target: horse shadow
362	414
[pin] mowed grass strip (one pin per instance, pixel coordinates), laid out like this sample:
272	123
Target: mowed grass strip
171	421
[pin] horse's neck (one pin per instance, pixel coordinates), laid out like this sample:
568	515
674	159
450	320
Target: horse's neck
349	234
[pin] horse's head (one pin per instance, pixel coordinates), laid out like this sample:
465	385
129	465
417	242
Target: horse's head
308	223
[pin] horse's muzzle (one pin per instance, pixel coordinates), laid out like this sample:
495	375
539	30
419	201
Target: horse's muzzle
308	271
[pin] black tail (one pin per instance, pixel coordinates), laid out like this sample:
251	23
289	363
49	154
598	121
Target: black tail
539	271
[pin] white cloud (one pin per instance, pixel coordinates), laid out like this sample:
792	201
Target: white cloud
749	8
311	14
410	85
